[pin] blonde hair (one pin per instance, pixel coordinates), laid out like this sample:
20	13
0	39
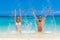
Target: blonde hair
18	19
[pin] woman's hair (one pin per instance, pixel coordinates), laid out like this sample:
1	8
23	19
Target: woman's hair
40	18
18	19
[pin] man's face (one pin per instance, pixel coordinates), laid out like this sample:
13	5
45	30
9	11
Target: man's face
40	17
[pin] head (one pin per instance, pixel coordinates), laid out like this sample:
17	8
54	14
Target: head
18	19
40	18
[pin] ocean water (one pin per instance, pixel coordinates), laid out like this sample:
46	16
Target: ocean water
29	24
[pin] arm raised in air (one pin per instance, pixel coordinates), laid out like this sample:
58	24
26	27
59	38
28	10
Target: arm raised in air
46	14
35	15
20	15
15	15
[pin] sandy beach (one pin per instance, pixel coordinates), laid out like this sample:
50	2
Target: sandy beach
30	36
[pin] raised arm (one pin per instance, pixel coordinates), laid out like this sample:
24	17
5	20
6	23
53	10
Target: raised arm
20	14
34	15
15	15
46	14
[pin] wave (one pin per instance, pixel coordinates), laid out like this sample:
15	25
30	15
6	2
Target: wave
47	31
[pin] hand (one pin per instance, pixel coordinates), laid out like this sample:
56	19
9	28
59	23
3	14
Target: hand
14	12
33	11
49	9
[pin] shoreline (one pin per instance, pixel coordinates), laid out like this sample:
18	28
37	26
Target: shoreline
31	36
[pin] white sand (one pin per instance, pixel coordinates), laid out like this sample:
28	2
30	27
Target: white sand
30	36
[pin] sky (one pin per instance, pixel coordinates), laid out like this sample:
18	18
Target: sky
7	7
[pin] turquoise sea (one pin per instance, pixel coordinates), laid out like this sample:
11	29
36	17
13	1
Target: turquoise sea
29	24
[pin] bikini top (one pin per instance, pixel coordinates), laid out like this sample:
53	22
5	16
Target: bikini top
18	24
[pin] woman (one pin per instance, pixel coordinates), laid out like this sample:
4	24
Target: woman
18	22
40	21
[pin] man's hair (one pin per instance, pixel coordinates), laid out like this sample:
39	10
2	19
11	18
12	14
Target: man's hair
39	17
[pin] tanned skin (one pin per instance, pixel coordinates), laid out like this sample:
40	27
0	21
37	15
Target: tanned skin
40	20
